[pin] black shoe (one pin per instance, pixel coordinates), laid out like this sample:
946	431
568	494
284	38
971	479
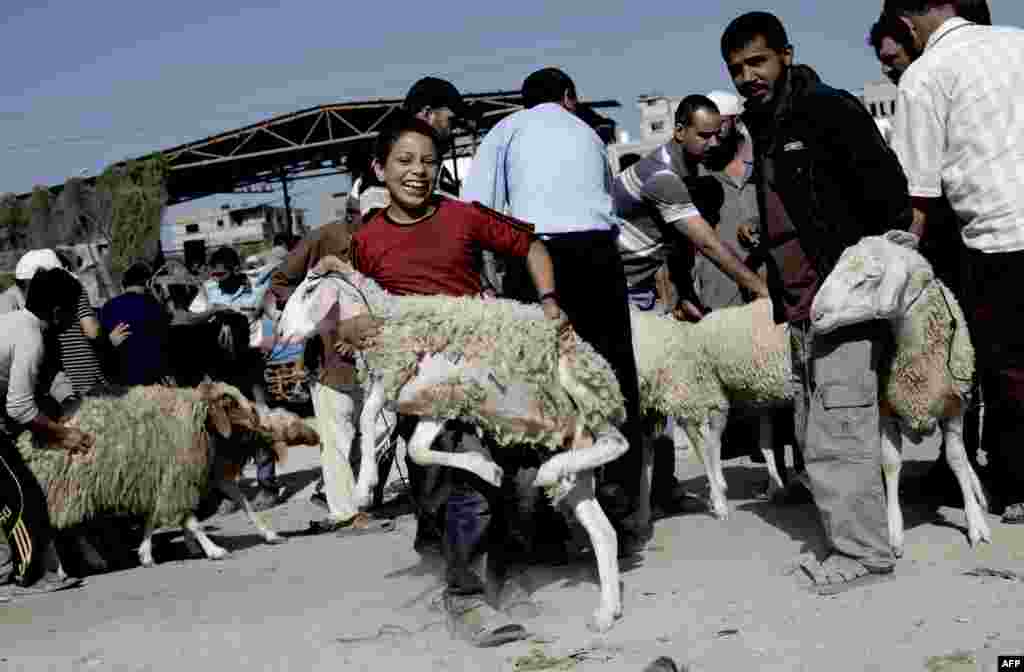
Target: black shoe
264	499
320	499
663	664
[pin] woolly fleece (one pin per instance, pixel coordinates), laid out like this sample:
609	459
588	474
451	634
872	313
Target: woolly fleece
512	339
739	355
146	461
734	355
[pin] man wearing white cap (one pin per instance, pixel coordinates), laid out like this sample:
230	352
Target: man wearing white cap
730	163
33	260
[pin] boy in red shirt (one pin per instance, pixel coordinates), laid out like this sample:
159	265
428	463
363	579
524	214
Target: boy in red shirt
423	243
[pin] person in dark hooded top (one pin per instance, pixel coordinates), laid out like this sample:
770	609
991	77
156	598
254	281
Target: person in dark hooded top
825	178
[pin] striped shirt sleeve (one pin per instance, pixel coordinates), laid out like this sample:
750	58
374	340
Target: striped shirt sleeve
671	196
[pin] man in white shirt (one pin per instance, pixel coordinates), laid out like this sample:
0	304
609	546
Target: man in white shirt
546	166
958	131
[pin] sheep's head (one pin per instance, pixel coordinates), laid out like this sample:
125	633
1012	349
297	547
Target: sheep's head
285	429
228	411
330	292
876	279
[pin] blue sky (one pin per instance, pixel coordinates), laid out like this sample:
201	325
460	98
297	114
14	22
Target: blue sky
86	84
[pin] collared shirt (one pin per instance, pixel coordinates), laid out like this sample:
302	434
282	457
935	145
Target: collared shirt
959	129
247	299
21	358
547	167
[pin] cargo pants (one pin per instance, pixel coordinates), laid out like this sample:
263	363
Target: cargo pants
837	427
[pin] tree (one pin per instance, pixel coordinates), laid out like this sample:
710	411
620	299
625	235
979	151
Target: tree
41	230
127	209
13	223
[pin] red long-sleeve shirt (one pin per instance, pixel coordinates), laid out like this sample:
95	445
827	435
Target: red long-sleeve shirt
436	254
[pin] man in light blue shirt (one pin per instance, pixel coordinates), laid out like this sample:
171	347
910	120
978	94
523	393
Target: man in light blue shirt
544	165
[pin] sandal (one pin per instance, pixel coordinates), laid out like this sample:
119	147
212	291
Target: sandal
1013	515
837	574
361	523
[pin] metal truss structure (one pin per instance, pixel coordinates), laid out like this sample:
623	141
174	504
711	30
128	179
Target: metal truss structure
317	142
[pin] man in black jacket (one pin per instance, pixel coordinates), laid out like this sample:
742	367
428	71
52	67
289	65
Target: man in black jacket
825	178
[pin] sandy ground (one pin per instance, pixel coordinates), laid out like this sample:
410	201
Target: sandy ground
708	593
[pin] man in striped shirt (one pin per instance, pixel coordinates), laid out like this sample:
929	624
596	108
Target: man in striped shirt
654	198
959	132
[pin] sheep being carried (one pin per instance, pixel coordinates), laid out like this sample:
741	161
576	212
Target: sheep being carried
498	364
158	450
738	357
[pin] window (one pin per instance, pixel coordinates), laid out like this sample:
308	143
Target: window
220	223
874	111
191	228
657	126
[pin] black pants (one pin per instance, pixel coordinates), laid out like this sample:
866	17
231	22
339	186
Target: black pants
591	288
23	515
992	292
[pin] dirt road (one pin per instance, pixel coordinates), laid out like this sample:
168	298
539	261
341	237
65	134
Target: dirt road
708	593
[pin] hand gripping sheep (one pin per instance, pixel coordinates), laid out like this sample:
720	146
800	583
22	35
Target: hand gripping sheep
497	364
158	451
739	357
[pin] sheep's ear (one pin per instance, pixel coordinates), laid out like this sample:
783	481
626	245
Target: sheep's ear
280	450
903	238
219	418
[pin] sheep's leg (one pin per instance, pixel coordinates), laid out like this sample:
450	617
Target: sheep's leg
643	508
974	498
712	439
608	446
477	462
368	443
605	544
210	549
234	493
772	458
146	547
892	463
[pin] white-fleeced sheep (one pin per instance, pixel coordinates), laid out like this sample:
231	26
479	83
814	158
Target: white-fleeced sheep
497	364
738	356
158	450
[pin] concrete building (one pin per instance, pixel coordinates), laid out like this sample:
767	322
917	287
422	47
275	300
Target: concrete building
218	227
880	99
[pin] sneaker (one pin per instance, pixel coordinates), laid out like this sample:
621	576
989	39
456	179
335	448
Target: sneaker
50	583
471	619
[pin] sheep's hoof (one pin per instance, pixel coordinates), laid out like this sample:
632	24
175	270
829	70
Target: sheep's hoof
603	619
720	511
897	550
146	561
977	535
218	553
274	538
